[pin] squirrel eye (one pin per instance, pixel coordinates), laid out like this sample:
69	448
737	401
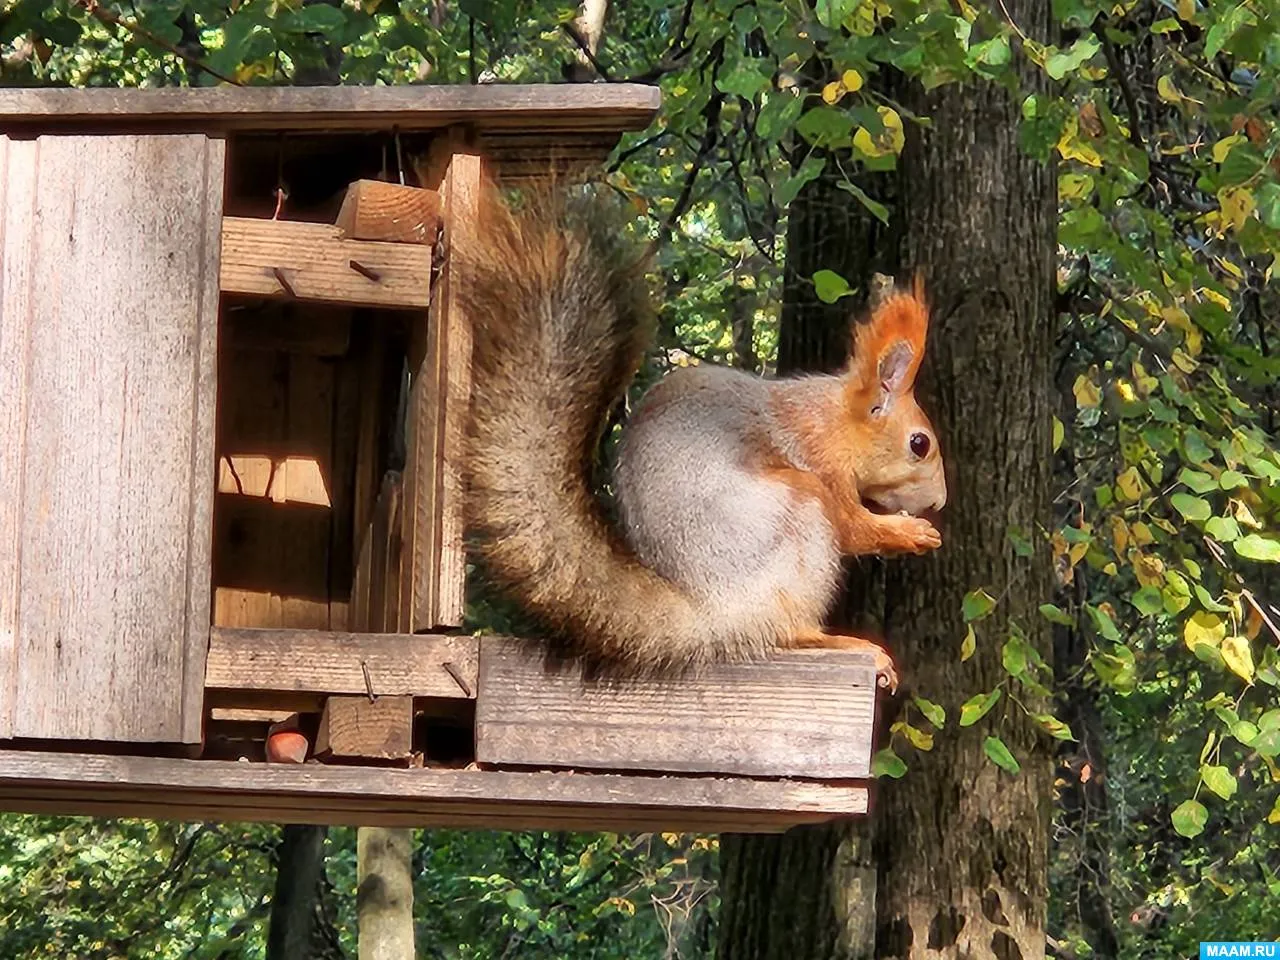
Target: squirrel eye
919	445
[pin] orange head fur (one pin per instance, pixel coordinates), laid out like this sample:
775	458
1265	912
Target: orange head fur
899	464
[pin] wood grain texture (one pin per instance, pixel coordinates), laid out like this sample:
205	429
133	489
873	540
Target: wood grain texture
320	661
316	793
390	212
315	260
803	714
357	728
560	109
107	343
434	561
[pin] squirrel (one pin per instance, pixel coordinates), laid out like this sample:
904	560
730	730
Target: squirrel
737	495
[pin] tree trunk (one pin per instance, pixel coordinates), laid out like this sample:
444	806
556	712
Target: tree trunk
810	893
964	846
384	896
300	859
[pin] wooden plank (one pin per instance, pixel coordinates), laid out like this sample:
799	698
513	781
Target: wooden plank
110	295
433	570
360	729
803	714
317	793
315	261
18	169
392	212
554	109
317	661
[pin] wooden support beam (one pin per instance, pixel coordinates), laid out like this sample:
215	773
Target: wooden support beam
364	730
228	791
802	714
324	662
392	212
293	260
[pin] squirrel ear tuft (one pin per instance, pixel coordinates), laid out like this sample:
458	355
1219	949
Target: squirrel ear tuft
889	345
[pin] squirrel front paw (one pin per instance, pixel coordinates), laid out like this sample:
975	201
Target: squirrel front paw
913	534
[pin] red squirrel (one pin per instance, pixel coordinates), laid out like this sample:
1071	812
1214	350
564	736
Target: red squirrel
737	495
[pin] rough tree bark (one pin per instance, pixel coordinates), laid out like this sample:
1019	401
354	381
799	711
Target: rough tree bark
963	847
384	893
299	862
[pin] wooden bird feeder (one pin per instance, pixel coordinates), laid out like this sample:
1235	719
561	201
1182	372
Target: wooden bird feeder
233	382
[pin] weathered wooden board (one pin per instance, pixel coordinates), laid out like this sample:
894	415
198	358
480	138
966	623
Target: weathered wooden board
315	793
804	714
553	109
315	260
390	212
433	568
320	661
359	729
108	335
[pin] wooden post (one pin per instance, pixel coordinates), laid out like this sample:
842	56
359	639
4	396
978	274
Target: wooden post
384	893
360	729
433	566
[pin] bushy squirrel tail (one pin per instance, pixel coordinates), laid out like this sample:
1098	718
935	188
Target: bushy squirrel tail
561	321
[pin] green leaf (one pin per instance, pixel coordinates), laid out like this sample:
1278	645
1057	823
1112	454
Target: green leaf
1053	726
1245	732
1192	508
1195	447
1268	197
1013	656
1118	669
825	126
977	707
1062	62
1189	818
778	115
999	754
830	286
790	188
1257	547
1231	479
1149	601
878	210
933	712
1219	780
886	763
316	18
1267	743
832	13
1269	720
1103	622
1055	614
1197	480
1166	25
744	80
1223	529
977	605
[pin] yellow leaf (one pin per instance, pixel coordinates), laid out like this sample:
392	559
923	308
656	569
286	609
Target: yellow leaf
1059	434
832	92
1110	569
1183	361
1086	391
1203	628
1119	534
1223	146
1077	552
1130	484
1141	534
1230	267
1238	657
1216	297
968	644
1195	341
852	80
1187	10
1176	317
1245	516
1237	204
1167	91
890	140
1149	570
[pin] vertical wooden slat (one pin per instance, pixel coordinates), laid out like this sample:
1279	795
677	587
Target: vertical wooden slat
114	278
18	169
434	562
